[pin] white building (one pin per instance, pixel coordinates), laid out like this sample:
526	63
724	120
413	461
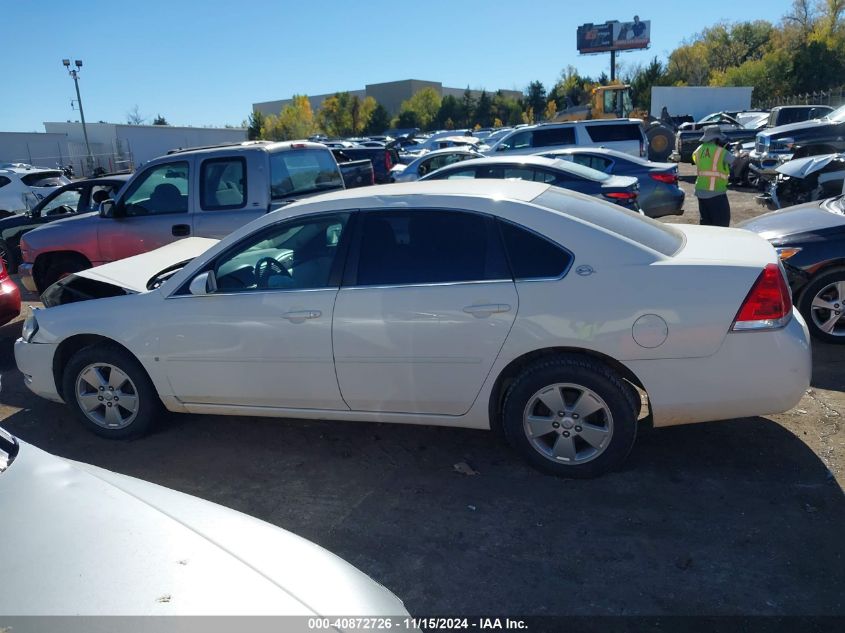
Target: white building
115	147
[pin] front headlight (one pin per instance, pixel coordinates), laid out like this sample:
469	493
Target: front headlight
30	326
785	252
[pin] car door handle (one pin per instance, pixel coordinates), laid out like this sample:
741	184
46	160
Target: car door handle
298	316
487	309
181	230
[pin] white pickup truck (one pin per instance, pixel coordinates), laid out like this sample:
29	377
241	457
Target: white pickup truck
206	192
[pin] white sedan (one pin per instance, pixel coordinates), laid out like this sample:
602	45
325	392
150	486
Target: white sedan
80	540
476	304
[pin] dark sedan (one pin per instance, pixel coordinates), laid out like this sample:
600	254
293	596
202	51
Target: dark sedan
622	190
80	196
810	239
659	191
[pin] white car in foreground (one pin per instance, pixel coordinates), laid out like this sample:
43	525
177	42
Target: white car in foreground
80	540
474	304
24	186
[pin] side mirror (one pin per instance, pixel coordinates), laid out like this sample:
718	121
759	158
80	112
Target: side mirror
107	208
203	284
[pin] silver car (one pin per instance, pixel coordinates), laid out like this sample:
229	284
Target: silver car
432	161
79	540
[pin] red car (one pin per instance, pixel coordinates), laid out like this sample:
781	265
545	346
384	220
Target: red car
10	297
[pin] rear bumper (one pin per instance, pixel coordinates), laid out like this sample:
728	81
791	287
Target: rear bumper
752	373
661	203
35	361
25	271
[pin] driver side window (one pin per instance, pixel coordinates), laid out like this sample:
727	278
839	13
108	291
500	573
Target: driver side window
161	189
65	202
298	254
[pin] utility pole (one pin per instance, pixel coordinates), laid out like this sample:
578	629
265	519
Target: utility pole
74	72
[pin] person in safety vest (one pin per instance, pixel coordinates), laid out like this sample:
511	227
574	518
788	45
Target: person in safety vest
713	162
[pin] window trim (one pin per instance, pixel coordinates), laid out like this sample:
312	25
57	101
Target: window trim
222	159
349	280
500	221
335	274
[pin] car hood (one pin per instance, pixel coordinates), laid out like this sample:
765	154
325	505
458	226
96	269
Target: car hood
802	167
804	218
133	273
790	128
80	540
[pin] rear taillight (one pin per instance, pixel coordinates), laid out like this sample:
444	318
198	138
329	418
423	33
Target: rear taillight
388	161
670	179
768	305
622	195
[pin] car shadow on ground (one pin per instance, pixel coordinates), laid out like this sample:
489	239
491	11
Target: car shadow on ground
722	518
828	366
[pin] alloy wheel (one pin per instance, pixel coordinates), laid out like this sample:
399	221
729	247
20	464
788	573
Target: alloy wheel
827	309
107	396
568	423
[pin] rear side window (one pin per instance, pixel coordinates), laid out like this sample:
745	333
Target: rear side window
43	179
554	136
300	171
420	247
660	237
223	183
532	256
615	132
4	181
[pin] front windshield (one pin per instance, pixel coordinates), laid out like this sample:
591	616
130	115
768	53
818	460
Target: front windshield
838	115
301	171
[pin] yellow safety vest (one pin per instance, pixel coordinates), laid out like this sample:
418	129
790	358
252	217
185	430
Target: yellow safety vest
713	171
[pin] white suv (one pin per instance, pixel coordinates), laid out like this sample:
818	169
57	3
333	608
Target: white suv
23	186
624	135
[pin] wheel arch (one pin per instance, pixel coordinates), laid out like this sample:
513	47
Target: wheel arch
75	343
43	262
515	367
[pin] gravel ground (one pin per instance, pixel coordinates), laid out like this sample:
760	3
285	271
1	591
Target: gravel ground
742	517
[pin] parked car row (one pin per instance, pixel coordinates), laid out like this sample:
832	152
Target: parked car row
22	186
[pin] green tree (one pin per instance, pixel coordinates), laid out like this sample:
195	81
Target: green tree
467	109
642	80
295	121
424	104
253	125
448	113
535	99
484	110
379	121
160	120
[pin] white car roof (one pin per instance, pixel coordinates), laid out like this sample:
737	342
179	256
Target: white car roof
521	190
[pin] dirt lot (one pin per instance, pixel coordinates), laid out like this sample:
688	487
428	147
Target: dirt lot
737	517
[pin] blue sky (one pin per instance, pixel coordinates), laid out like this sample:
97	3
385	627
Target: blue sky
205	62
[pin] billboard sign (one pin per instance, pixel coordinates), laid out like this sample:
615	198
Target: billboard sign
595	38
614	36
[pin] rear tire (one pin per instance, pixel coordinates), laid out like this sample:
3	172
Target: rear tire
595	424
819	302
110	392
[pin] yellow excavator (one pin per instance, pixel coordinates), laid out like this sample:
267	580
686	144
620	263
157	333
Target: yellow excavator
614	102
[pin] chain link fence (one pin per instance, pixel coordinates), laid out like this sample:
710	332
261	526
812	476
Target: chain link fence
105	158
834	97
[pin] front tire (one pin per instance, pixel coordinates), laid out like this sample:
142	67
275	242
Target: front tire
570	416
110	392
822	304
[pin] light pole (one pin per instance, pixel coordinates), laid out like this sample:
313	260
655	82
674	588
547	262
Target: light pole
74	72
